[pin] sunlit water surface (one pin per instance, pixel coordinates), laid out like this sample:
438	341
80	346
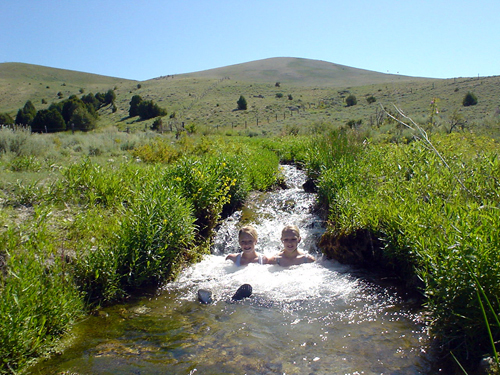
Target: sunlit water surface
317	318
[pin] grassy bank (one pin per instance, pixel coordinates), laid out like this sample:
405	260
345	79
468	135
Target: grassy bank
87	219
81	229
429	216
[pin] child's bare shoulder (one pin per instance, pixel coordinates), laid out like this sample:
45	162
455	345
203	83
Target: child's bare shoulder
308	258
232	256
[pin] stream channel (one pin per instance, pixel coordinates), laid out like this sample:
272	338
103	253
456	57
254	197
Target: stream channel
316	318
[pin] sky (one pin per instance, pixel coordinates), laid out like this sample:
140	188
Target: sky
141	40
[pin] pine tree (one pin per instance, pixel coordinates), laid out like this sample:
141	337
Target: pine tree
242	103
134	106
26	115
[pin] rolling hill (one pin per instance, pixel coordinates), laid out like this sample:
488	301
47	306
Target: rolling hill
310	92
298	71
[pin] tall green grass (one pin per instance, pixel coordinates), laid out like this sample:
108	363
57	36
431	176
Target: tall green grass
39	299
426	218
96	228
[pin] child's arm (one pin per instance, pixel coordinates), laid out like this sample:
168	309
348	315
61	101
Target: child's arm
308	258
270	259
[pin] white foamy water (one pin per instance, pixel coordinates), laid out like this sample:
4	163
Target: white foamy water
323	280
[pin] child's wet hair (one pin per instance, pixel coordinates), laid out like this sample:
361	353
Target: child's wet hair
249	229
292	228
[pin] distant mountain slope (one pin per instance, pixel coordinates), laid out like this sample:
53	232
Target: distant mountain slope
22	71
20	82
300	71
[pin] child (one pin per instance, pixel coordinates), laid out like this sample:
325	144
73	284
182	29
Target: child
290	255
247	238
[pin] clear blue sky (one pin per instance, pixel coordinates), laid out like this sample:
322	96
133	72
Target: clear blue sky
146	39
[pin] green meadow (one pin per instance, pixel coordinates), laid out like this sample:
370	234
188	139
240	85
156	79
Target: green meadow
90	218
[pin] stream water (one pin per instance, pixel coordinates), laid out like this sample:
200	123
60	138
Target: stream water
316	318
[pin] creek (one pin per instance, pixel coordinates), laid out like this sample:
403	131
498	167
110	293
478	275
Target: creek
316	318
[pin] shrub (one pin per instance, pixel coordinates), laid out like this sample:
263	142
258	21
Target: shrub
39	300
351	100
371	99
134	106
6	119
425	221
242	103
469	99
157	124
157	231
48	120
157	151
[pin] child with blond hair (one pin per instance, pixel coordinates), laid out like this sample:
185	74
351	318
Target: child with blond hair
247	239
290	255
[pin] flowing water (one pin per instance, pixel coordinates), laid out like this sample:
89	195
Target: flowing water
316	318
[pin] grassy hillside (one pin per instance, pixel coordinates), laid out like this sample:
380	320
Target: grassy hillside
301	72
21	82
310	93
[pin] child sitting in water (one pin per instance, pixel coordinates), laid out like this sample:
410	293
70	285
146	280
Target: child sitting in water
290	255
247	238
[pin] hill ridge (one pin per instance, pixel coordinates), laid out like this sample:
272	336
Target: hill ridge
301	71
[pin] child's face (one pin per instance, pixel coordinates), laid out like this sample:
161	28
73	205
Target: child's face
290	240
247	242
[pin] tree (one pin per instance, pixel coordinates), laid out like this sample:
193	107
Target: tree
351	100
6	119
82	119
92	100
109	97
242	103
26	115
101	98
48	120
134	106
469	99
148	109
69	106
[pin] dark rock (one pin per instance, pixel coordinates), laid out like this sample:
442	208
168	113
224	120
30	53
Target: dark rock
310	186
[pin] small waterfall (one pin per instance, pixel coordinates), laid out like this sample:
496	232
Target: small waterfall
270	212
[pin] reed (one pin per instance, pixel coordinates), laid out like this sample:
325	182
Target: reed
39	300
155	237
